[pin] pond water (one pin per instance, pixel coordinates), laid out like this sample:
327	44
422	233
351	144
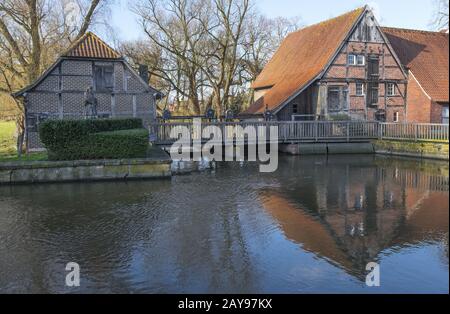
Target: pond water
312	226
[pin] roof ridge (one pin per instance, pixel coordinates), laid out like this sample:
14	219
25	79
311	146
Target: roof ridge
411	30
362	9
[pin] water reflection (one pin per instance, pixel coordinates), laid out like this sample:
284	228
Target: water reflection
348	213
310	227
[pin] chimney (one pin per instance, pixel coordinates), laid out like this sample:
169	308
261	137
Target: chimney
143	72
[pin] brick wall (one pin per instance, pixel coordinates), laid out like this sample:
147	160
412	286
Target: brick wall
436	112
419	104
128	98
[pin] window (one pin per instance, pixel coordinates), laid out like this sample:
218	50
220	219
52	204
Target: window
333	98
373	68
103	77
396	116
295	108
372	93
32	123
445	115
391	89
380	115
352	59
337	98
359	89
360	60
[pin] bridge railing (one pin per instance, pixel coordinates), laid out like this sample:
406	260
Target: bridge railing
414	131
306	131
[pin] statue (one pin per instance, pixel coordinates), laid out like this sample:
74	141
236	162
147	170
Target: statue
90	104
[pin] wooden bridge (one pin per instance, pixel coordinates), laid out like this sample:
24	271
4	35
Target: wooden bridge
301	132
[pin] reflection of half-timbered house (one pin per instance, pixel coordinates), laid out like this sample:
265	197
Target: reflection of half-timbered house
59	92
342	68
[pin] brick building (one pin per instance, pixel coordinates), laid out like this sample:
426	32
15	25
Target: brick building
425	57
343	68
90	62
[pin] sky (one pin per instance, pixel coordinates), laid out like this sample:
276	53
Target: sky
415	14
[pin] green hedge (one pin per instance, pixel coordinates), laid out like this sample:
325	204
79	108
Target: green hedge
94	139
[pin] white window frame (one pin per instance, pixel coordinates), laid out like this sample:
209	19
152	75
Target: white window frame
362	89
363	58
353	56
391	92
396	116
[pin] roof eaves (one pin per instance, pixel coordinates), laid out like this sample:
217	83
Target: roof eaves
30	86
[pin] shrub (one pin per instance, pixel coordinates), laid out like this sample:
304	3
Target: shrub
120	144
94	139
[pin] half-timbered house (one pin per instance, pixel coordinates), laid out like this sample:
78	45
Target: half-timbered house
60	92
342	68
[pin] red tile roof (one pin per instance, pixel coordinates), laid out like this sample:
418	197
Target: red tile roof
91	46
426	55
302	56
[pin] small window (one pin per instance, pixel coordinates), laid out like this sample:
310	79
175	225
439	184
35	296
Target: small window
295	108
360	60
352	59
359	89
391	89
32	123
103	76
396	116
372	93
445	113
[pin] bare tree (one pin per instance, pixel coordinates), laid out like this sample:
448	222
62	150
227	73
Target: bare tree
171	25
440	18
208	51
263	37
32	34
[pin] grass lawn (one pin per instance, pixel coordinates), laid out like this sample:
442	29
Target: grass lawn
8	150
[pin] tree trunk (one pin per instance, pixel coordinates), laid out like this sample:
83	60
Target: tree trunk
20	127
